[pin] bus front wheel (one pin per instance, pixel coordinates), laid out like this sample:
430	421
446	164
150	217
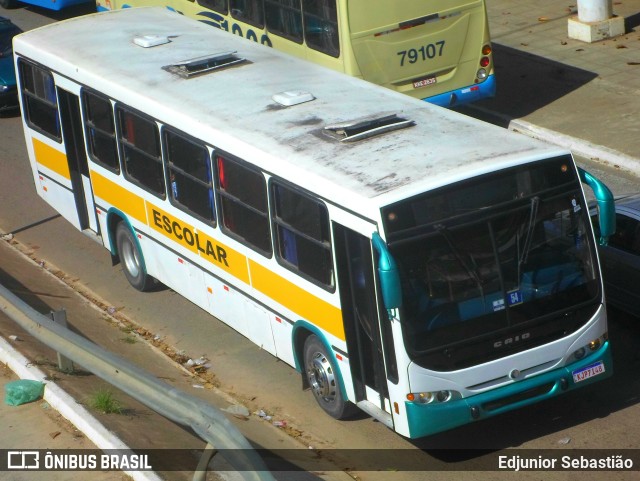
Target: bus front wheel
324	381
131	259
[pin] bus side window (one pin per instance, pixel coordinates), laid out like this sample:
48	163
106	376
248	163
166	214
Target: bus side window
242	197
220	6
284	17
302	235
249	11
189	168
40	99
140	146
321	26
100	130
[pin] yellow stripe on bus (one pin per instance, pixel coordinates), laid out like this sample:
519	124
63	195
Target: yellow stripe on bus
282	291
118	196
51	158
206	247
310	307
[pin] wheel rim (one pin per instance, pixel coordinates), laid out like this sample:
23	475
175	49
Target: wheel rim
321	377
130	259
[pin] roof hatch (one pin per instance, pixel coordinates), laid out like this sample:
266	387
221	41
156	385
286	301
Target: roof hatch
293	97
366	127
200	65
151	40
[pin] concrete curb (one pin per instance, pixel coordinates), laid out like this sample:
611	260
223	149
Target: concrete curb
68	407
577	146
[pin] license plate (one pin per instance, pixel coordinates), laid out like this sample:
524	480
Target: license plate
590	371
424	82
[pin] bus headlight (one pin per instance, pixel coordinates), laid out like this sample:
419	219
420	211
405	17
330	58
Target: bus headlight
481	74
587	349
432	397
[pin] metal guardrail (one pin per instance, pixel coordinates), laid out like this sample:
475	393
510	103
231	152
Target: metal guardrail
205	420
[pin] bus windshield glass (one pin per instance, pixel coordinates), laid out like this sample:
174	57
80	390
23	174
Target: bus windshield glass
509	250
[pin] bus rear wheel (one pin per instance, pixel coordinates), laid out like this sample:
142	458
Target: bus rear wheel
323	379
132	260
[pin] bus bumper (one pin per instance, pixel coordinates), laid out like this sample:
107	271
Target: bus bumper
454	98
426	419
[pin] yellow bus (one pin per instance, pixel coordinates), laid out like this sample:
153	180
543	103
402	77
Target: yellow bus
439	51
424	266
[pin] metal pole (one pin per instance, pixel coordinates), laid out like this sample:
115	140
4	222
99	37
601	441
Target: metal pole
60	317
595	10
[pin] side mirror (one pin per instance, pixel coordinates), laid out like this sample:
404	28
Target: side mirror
606	205
388	273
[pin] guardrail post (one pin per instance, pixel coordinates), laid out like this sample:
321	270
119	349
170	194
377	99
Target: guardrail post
60	317
201	470
207	421
595	21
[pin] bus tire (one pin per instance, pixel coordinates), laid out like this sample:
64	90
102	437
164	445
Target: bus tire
132	260
323	380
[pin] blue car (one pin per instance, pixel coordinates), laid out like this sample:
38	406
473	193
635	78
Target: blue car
8	90
620	259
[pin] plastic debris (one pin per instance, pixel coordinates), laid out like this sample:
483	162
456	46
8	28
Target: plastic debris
111	310
14	338
23	391
280	424
566	440
263	415
198	386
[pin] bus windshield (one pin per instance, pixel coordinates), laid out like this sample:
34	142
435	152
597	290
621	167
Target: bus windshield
497	255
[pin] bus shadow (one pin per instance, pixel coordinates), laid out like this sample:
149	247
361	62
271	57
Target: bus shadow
550	419
526	83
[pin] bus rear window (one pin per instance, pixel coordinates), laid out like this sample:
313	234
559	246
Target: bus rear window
366	15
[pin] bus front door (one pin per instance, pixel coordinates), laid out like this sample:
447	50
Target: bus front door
361	321
73	137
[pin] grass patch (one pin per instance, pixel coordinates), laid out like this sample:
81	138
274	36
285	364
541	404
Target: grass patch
129	339
104	401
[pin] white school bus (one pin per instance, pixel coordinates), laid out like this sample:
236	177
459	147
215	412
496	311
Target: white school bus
421	265
437	50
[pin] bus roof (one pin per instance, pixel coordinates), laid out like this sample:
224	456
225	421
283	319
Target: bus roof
233	106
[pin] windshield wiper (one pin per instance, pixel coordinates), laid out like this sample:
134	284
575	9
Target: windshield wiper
526	248
472	270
